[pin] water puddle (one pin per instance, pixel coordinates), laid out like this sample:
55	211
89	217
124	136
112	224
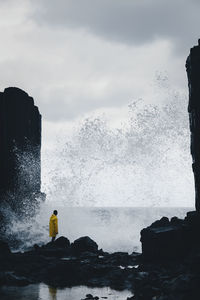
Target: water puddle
128	267
44	292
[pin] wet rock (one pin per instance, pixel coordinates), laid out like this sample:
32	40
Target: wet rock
192	68
101	252
181	283
166	239
62	242
12	279
20	130
59	248
176	221
90	297
88	255
36	247
4	248
84	244
9	278
172	239
163	279
68	269
163	222
121	259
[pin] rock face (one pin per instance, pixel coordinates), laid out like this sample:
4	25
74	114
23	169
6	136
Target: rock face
171	239
84	244
59	266
62	242
164	239
20	140
171	248
193	73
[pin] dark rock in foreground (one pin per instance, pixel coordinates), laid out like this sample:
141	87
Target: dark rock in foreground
84	244
170	265
62	242
91	297
4	249
58	265
176	238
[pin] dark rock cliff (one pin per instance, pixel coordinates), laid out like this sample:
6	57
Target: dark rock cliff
166	239
193	73
20	146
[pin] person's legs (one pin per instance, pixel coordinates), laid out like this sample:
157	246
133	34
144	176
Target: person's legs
53	239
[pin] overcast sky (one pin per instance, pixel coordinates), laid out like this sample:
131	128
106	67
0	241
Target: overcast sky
76	57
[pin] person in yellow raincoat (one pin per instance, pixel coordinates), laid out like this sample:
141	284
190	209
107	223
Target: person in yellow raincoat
53	225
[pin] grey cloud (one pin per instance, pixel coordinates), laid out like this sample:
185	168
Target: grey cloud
65	70
68	107
126	21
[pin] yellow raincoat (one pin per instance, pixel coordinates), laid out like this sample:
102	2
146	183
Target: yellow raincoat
53	226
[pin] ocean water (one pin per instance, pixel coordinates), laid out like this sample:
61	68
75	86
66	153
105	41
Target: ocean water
113	228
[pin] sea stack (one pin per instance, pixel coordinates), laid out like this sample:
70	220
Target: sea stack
175	238
193	74
20	147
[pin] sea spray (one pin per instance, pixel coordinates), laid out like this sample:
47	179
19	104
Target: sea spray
114	228
145	162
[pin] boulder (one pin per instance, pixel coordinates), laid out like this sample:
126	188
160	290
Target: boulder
176	238
176	221
62	242
164	221
165	239
84	244
90	297
59	248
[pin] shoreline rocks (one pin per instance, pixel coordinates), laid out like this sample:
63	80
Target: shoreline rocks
59	264
171	239
156	274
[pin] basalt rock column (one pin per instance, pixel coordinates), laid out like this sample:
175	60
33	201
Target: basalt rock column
193	73
175	238
20	132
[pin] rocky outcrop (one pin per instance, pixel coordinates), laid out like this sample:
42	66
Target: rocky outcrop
57	264
84	244
20	139
171	239
171	248
193	73
170	263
